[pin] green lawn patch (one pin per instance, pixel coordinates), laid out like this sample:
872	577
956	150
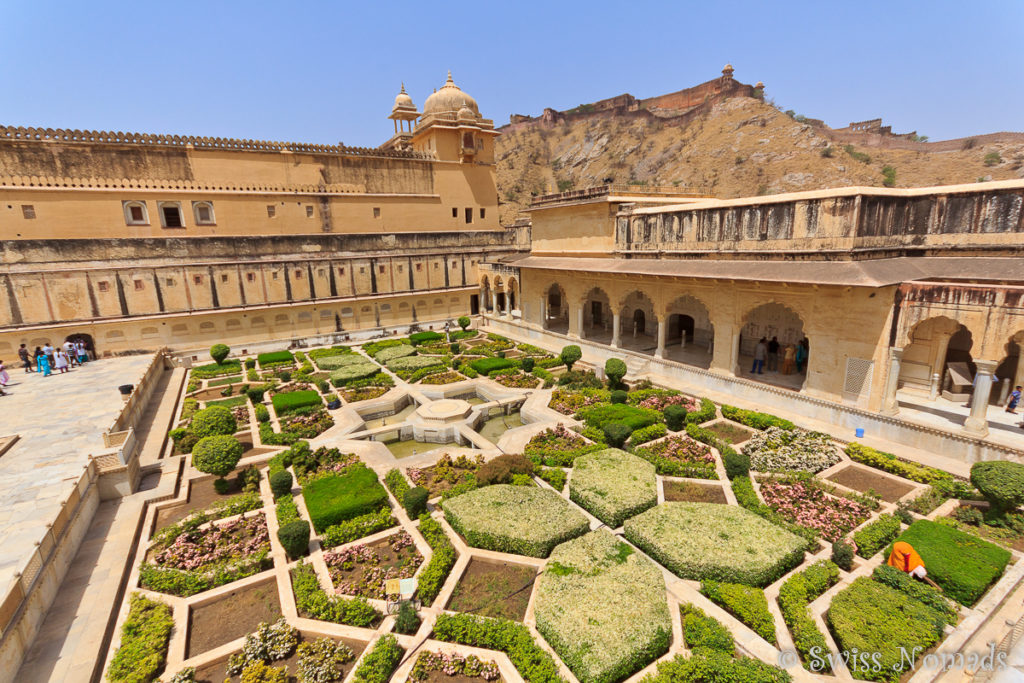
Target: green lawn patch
485	366
635	418
961	563
334	498
613	485
275	357
602	607
293	400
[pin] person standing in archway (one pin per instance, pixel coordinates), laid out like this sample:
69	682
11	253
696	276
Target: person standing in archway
773	355
801	356
760	351
25	357
1011	404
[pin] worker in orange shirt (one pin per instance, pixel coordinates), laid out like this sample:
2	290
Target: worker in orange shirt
906	559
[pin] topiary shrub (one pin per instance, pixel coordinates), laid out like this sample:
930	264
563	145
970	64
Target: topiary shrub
501	469
454	347
842	555
616	433
219	352
615	369
464	322
1001	482
619	396
675	417
407	622
281	483
736	464
213	421
527	364
217	455
415	501
255	395
262	414
569	355
294	537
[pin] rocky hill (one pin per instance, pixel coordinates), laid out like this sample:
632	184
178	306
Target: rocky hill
740	147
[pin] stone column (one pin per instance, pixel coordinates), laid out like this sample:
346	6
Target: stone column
939	363
615	330
508	305
936	386
682	338
543	313
494	302
734	356
1018	377
576	322
890	406
662	333
976	423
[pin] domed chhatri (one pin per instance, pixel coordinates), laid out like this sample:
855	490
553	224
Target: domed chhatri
403	102
450	98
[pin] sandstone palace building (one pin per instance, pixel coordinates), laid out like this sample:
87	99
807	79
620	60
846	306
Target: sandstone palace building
135	242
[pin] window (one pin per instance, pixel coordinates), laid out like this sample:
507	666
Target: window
203	212
198	279
483	212
223	277
28	211
380	269
341	271
103	285
362	270
455	264
469	214
274	275
250	277
436	265
169	282
455	212
135	213
271	210
419	267
320	272
138	285
399	269
376	212
309	212
170	214
298	274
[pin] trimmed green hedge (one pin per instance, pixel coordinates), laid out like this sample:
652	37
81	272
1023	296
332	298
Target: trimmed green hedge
486	366
795	594
311	600
716	667
293	400
351	373
145	636
396	483
635	418
394	352
433	576
746	603
228	367
876	535
961	563
418	338
755	419
358	527
890	463
703	414
870	617
922	592
275	357
704	634
335	498
379	663
532	662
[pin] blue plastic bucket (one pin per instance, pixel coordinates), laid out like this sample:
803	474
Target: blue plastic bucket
860	432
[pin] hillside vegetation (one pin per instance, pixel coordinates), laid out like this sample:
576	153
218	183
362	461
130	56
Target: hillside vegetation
742	147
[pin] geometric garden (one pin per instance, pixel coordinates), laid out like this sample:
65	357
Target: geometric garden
469	506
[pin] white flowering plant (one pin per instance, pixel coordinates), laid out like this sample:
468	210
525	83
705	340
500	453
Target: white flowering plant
613	485
777	450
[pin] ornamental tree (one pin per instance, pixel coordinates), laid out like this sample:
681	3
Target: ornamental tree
615	369
1001	482
464	322
219	352
569	355
217	455
213	421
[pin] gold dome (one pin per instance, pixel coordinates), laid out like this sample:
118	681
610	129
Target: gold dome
450	98
465	113
403	101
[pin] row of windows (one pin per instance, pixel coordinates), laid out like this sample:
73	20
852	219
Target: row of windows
104	286
171	216
469	213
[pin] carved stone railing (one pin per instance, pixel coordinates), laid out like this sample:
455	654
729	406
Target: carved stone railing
179	185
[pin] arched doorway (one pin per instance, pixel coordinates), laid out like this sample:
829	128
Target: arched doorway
781	324
639	324
499	295
87	340
556	310
597	316
513	294
1010	371
689	337
939	353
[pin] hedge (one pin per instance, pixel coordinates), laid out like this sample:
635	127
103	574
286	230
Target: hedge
890	463
962	564
433	576
275	357
486	366
795	594
228	367
876	535
354	372
1001	482
635	418
145	636
339	497
358	527
755	419
394	352
418	338
293	400
532	662
704	634
413	363
648	433
871	617
703	414
922	592
317	354
378	664
286	510
312	600
746	603
716	667
396	483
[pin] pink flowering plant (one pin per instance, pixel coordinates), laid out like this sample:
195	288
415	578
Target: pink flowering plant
453	664
570	402
680	456
804	501
658	399
306	426
558	447
364	569
517	380
216	544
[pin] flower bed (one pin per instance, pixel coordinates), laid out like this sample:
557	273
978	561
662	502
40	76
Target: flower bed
613	485
570	402
602	607
746	603
871	617
516	380
334	498
413	363
307	424
355	369
200	559
962	564
680	456
145	635
429	664
795	594
558	447
393	352
362	570
719	542
363	394
514	519
657	399
445	474
805	502
532	662
776	449
887	462
331	363
313	602
442	378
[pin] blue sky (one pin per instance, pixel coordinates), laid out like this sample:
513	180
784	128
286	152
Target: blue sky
328	71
